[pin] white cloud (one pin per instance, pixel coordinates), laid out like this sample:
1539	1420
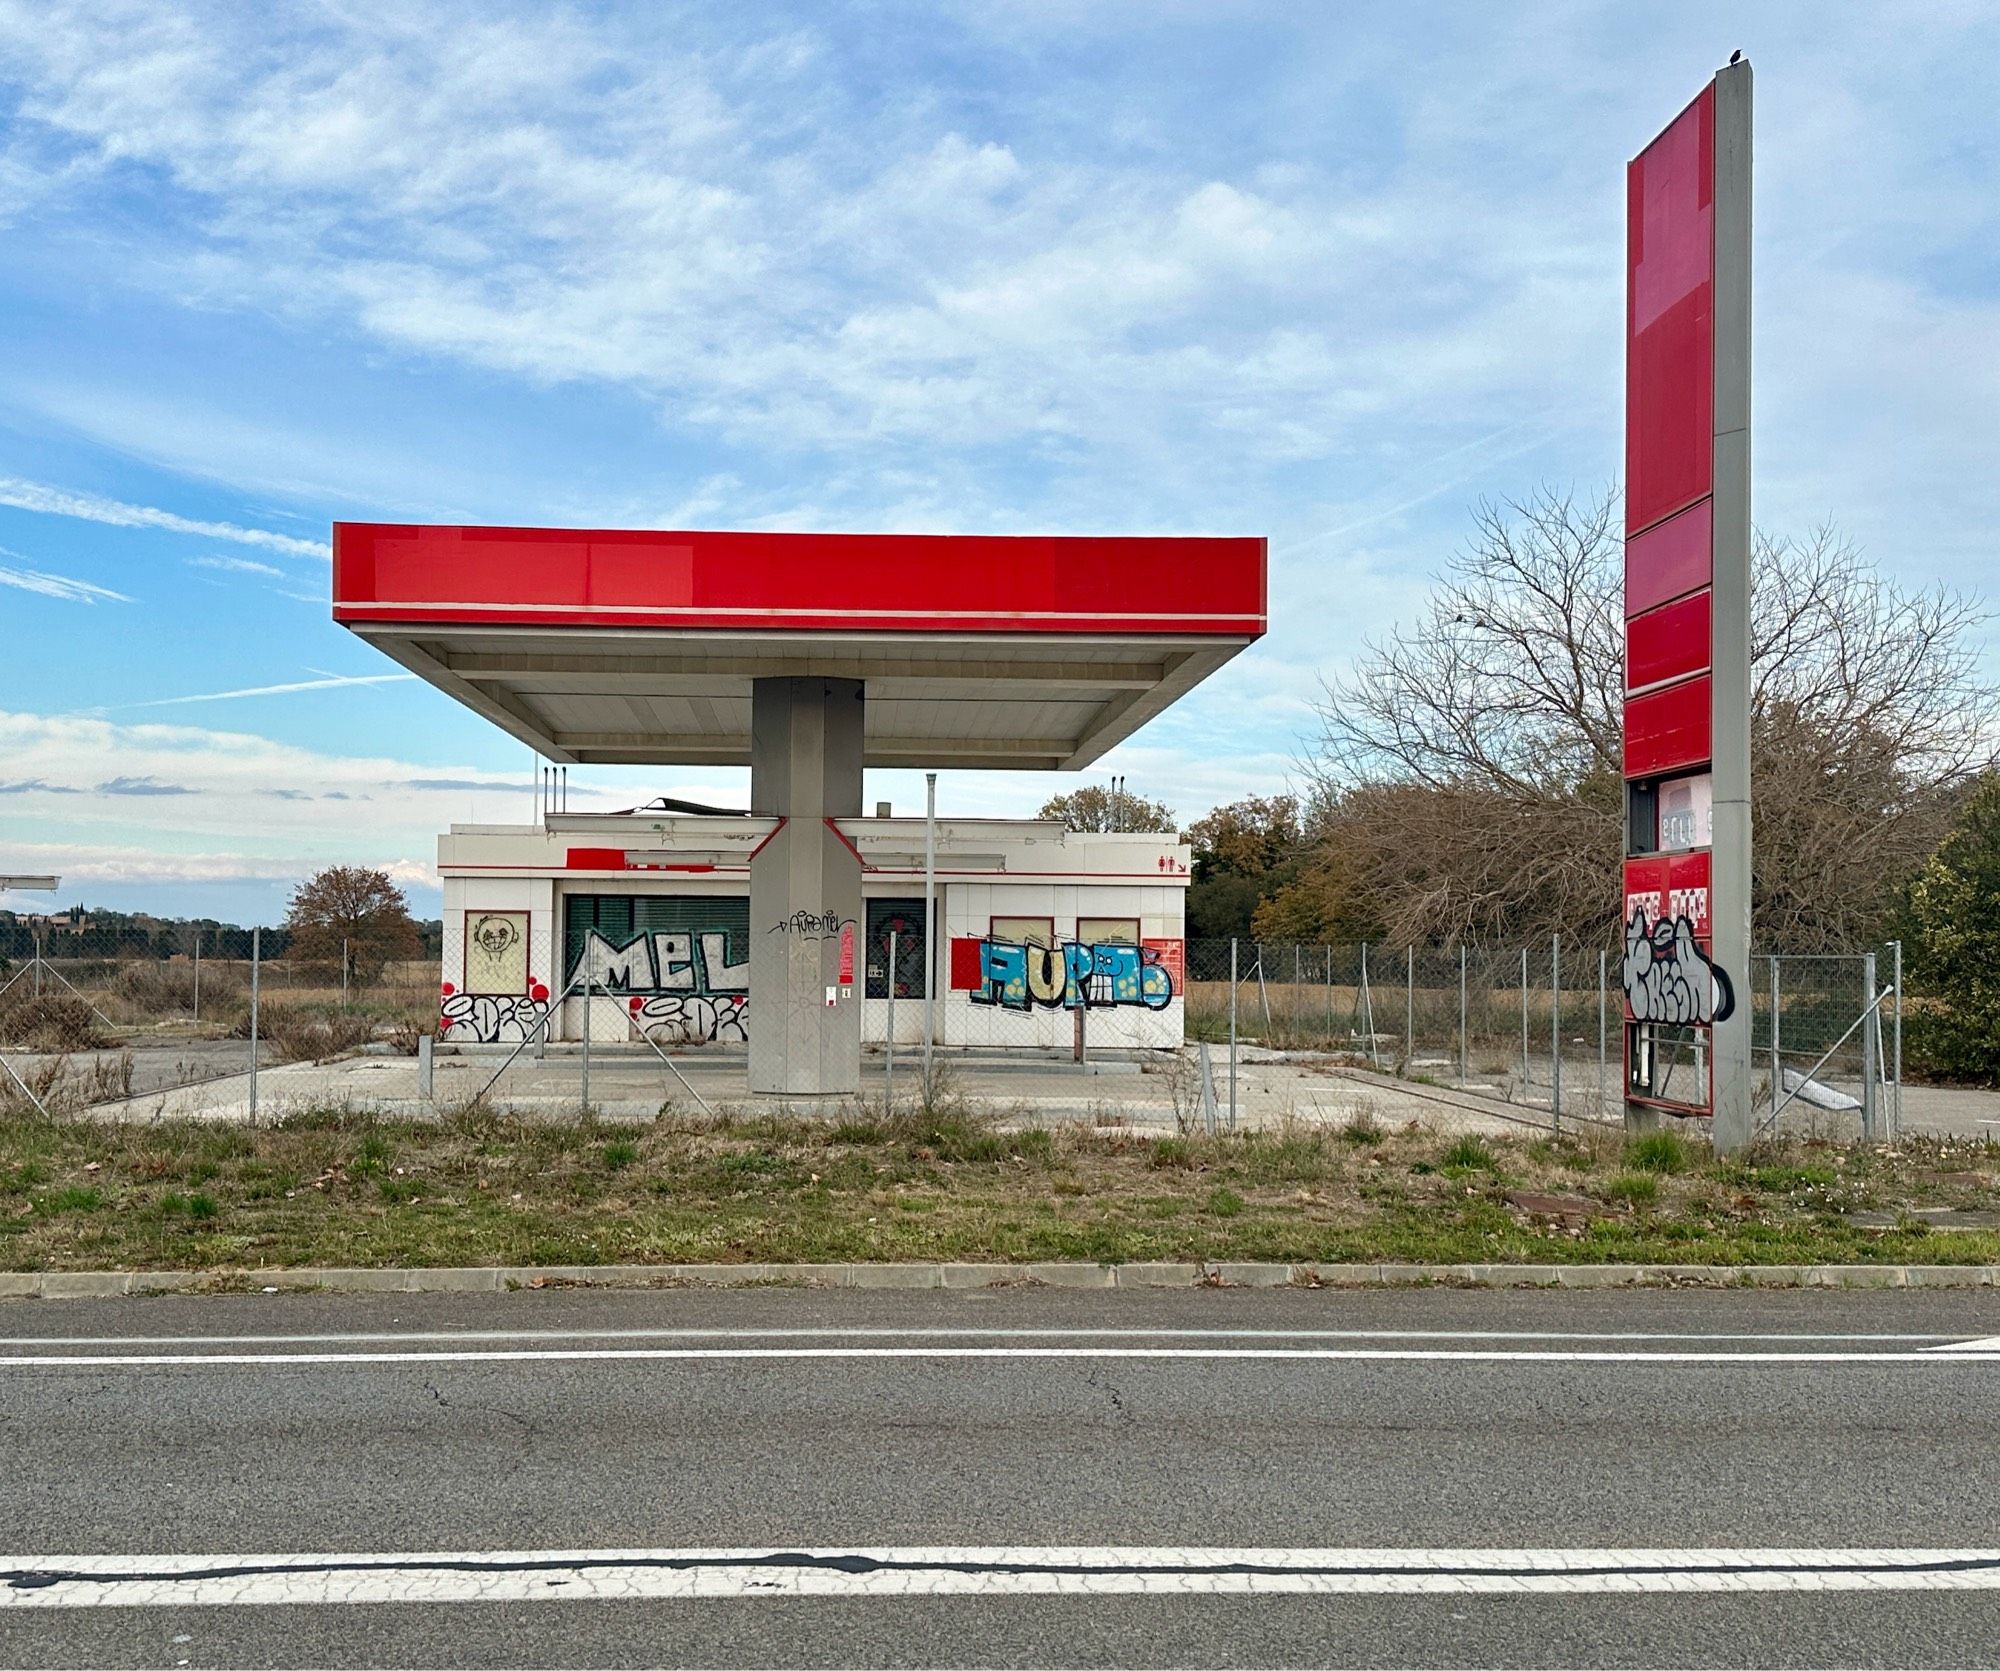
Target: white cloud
57	585
234	565
330	682
90	507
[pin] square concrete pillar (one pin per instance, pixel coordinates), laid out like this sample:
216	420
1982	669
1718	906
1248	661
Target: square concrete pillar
805	888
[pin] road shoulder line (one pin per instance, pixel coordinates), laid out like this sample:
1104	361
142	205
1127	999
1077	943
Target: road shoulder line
65	1285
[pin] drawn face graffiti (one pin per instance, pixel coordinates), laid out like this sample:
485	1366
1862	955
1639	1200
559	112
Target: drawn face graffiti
497	935
1669	979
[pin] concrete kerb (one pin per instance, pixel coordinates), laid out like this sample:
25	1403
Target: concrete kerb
70	1285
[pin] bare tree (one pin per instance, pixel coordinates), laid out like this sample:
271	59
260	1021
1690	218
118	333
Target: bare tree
1473	758
1096	809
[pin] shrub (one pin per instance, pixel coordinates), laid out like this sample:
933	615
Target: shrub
1638	1188
299	1033
1467	1154
1658	1151
56	1022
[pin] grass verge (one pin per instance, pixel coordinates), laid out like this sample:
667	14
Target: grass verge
336	1189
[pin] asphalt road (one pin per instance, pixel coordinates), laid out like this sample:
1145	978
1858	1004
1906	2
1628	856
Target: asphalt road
1270	1421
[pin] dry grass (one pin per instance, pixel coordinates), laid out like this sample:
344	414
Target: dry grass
484	1189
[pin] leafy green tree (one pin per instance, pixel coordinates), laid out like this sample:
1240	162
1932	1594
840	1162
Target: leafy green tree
1954	934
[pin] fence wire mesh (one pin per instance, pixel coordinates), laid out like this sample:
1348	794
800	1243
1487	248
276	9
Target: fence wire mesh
234	1025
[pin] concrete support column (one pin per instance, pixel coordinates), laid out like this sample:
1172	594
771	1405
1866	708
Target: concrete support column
805	888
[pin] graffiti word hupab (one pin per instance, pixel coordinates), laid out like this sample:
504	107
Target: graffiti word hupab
1074	975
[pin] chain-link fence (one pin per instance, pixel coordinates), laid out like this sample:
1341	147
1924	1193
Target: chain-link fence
1213	1034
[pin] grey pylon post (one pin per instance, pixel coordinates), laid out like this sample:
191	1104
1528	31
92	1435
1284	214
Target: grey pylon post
256	970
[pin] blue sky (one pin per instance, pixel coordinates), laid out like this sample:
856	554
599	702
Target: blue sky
1326	273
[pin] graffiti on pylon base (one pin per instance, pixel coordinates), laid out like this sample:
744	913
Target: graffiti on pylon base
1668	977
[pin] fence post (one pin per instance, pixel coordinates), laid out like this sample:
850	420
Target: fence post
1464	1047
1777	1051
1367	1007
1298	1000
1326	952
256	970
38	963
1555	1029
1232	1032
1409	1006
889	1074
343	974
1603	959
583	1092
197	976
1869	1051
1527	1078
1896	1043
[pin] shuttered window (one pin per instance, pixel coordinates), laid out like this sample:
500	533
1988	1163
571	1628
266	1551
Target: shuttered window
621	919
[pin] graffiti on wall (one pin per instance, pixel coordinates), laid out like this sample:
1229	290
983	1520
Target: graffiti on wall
1074	975
693	1017
1668	977
487	1018
678	987
808	925
661	962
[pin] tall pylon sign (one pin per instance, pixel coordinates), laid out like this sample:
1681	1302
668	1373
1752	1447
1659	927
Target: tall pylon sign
1687	617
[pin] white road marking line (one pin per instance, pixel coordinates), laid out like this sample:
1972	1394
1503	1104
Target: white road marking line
695	1354
58	1581
925	1332
1991	1344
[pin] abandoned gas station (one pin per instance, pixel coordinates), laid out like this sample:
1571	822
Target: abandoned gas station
807	657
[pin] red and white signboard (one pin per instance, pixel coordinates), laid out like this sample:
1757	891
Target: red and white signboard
1686	605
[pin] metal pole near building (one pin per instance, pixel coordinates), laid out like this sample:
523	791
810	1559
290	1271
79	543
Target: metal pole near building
256	966
1232	1032
1555	1029
930	920
889	1072
583	1090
